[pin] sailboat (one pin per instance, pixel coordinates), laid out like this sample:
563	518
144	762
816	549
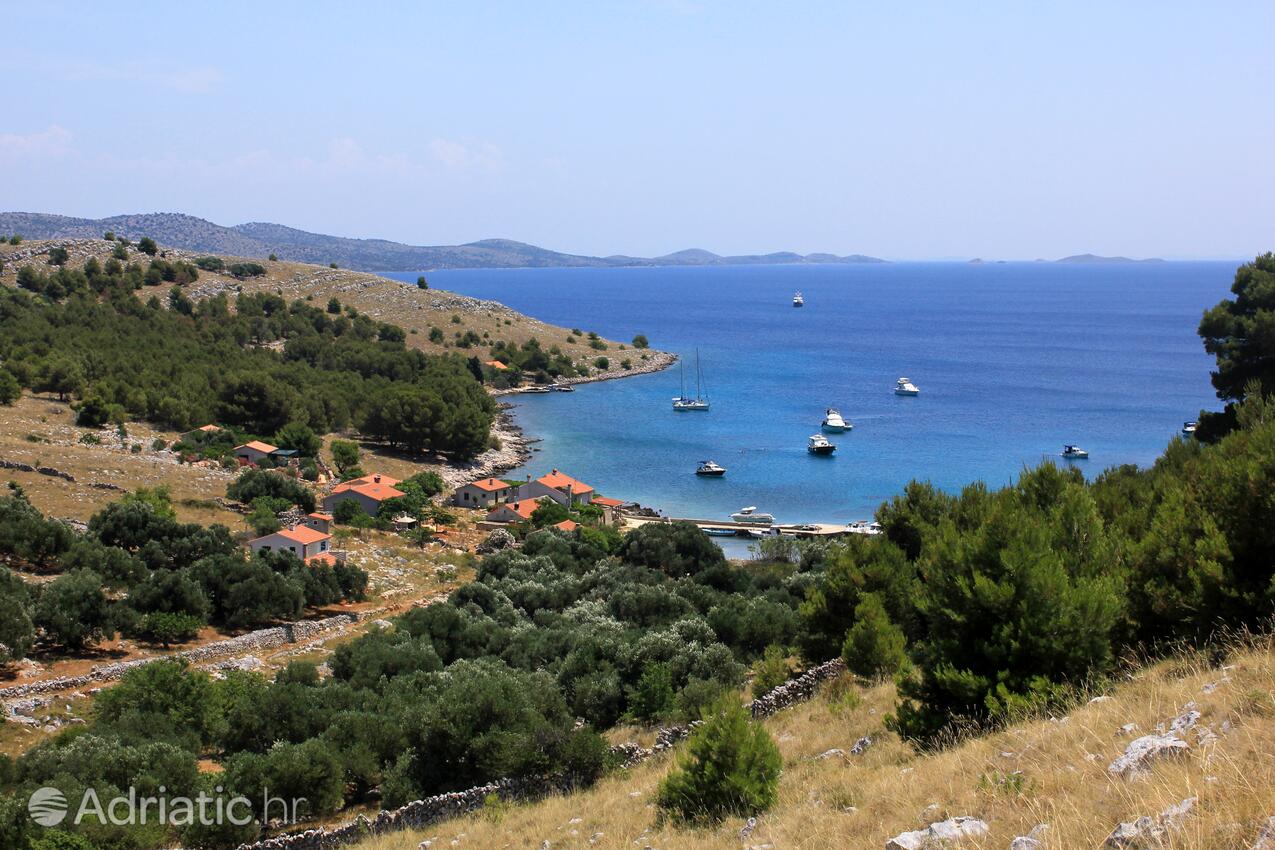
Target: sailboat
699	402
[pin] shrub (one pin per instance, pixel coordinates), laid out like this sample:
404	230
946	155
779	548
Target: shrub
254	483
602	364
770	671
58	256
874	646
10	389
147	246
730	766
640	341
421	283
653	698
243	270
210	264
166	627
273	258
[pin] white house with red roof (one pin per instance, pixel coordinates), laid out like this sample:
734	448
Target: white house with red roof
560	487
370	492
306	543
519	511
484	493
254	451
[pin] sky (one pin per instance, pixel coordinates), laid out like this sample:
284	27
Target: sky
908	130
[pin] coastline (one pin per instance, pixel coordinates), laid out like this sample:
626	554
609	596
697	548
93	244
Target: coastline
515	446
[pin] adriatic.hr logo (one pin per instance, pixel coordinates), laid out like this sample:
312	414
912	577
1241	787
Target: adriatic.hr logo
47	806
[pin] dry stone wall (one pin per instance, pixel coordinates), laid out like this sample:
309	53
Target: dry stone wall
431	810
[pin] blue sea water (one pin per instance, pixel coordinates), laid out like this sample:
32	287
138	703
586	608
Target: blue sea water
1013	360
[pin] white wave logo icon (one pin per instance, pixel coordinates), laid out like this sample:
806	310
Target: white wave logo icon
47	806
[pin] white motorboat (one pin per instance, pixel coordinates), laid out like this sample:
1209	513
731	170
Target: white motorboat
904	386
710	469
819	445
798	300
834	423
863	526
1074	452
750	515
564	388
1188	428
683	402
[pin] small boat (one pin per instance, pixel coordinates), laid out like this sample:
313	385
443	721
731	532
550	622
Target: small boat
904	386
536	390
684	402
863	526
1188	428
750	515
1074	452
819	445
721	532
798	300
708	468
833	423
564	388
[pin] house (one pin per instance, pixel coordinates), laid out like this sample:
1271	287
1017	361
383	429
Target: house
370	492
319	522
560	487
519	511
254	450
202	429
484	493
566	525
306	543
610	508
496	364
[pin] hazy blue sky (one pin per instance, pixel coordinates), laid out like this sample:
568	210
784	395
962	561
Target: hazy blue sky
919	130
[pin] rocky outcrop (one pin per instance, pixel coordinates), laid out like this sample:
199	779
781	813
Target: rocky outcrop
938	835
1034	840
1148	833
1142	752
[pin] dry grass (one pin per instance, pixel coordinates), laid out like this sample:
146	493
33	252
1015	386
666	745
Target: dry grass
860	802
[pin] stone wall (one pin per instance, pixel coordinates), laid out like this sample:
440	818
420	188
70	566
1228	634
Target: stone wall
297	632
431	810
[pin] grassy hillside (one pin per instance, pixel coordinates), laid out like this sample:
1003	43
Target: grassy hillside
413	309
1045	770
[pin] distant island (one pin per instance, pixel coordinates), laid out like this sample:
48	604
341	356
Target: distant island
261	239
1094	258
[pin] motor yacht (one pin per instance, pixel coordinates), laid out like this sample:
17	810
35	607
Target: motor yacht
904	386
750	515
834	423
863	526
1188	428
798	300
819	445
1074	452
710	469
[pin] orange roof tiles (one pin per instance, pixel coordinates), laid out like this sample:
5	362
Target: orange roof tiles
258	445
489	484
561	481
567	525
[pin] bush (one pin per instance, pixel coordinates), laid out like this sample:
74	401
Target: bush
244	270
653	698
147	246
602	364
730	766
10	389
421	283
166	628
252	484
874	646
640	341
345	454
770	671
210	264
58	256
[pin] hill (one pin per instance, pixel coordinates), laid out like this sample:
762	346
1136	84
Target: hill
261	239
1095	259
1047	770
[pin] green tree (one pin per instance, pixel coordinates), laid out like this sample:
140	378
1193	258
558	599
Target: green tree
640	341
58	256
421	283
73	611
147	246
299	437
167	628
653	699
874	646
770	671
730	766
10	389
1240	333
345	454
17	632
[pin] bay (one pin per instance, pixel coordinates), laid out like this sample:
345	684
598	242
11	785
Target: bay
1013	360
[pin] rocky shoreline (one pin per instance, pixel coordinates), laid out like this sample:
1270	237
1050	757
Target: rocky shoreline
515	446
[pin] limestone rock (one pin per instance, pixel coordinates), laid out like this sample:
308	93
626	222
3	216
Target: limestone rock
937	835
1147	833
861	746
1141	752
833	753
1265	838
1034	840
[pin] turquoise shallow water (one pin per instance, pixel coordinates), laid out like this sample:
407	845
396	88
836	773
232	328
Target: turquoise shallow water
1013	360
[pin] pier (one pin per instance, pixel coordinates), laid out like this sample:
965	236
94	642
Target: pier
813	529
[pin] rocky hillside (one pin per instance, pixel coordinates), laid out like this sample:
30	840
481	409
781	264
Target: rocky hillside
1181	755
259	239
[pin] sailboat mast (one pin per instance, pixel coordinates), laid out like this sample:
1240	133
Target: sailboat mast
699	393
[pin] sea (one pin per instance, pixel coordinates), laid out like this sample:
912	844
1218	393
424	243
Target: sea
1013	360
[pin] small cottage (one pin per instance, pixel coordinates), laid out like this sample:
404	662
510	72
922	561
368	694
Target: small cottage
370	491
519	511
319	521
254	451
484	493
306	543
560	487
